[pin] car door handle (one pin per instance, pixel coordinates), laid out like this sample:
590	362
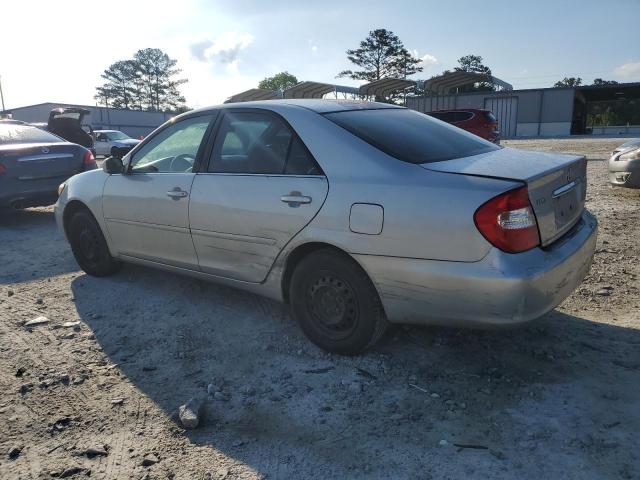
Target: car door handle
177	193
294	199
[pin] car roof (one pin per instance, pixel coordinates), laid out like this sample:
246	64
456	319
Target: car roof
316	105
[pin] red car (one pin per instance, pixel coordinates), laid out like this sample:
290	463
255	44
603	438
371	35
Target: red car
477	121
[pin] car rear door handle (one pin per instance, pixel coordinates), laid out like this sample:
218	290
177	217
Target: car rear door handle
294	199
176	193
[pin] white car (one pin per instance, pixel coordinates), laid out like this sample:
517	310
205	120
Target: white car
113	142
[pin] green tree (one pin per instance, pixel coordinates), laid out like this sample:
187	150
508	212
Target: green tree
158	87
568	82
381	55
601	82
280	81
146	82
473	63
119	89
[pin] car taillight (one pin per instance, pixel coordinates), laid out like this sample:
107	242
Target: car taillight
508	222
3	169
89	160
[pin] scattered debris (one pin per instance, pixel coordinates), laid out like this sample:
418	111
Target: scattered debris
37	321
71	471
20	372
362	372
443	443
419	388
319	370
96	451
70	324
190	413
150	459
117	401
14	452
26	387
462	446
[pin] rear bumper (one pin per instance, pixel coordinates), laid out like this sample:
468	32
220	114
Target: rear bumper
502	289
624	174
38	198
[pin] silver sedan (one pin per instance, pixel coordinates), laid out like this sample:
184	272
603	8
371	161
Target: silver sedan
624	165
357	214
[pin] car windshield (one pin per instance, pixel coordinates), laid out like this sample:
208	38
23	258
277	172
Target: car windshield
411	136
15	134
117	136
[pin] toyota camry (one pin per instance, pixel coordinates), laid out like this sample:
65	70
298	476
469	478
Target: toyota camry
356	214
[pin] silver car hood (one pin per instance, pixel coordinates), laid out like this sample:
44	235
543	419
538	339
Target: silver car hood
507	163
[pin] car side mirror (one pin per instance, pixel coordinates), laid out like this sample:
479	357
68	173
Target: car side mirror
113	165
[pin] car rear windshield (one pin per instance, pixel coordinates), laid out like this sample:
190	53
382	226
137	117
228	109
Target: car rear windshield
13	134
411	136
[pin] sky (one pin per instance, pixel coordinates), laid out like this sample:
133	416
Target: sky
55	51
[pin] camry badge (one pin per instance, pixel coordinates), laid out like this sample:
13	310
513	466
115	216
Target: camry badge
45	150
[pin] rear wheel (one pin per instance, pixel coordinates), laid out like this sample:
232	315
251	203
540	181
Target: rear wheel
336	304
89	246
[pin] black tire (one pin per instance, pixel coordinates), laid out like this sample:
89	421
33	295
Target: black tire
336	304
89	246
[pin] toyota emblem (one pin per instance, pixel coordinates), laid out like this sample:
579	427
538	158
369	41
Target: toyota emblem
45	149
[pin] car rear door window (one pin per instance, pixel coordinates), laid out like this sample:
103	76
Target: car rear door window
259	143
410	136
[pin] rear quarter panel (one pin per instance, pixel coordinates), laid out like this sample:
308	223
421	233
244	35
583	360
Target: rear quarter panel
427	214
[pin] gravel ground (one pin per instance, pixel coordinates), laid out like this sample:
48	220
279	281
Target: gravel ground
95	390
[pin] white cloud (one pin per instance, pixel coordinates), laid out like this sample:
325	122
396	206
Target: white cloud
225	50
629	70
426	59
314	48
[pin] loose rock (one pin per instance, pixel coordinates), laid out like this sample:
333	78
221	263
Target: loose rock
149	459
190	413
37	321
14	452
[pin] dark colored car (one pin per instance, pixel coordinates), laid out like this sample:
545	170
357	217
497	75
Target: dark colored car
67	123
33	163
480	122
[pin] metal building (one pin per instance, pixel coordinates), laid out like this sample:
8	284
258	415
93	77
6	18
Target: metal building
606	109
134	123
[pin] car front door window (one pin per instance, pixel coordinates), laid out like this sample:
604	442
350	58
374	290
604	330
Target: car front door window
174	149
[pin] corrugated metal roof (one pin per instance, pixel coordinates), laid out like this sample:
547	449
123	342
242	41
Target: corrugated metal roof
385	87
308	90
444	83
253	94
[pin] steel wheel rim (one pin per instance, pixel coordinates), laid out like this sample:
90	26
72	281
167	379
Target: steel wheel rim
333	306
88	245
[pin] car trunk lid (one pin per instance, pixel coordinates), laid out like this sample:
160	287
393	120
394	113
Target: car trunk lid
37	162
556	183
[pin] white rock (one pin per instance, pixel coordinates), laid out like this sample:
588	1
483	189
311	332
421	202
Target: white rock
36	321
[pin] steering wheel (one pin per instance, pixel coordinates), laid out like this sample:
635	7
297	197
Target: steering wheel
182	163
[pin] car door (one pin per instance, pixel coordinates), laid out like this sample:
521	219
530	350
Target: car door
259	188
102	144
147	208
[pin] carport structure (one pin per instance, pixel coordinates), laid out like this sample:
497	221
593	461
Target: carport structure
378	89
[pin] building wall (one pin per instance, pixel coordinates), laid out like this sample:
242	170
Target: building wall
133	123
541	112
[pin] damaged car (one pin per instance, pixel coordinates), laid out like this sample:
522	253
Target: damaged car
356	214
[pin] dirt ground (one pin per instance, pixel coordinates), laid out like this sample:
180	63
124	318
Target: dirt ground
94	392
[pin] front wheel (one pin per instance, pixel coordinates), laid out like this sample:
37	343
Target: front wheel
89	246
335	303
